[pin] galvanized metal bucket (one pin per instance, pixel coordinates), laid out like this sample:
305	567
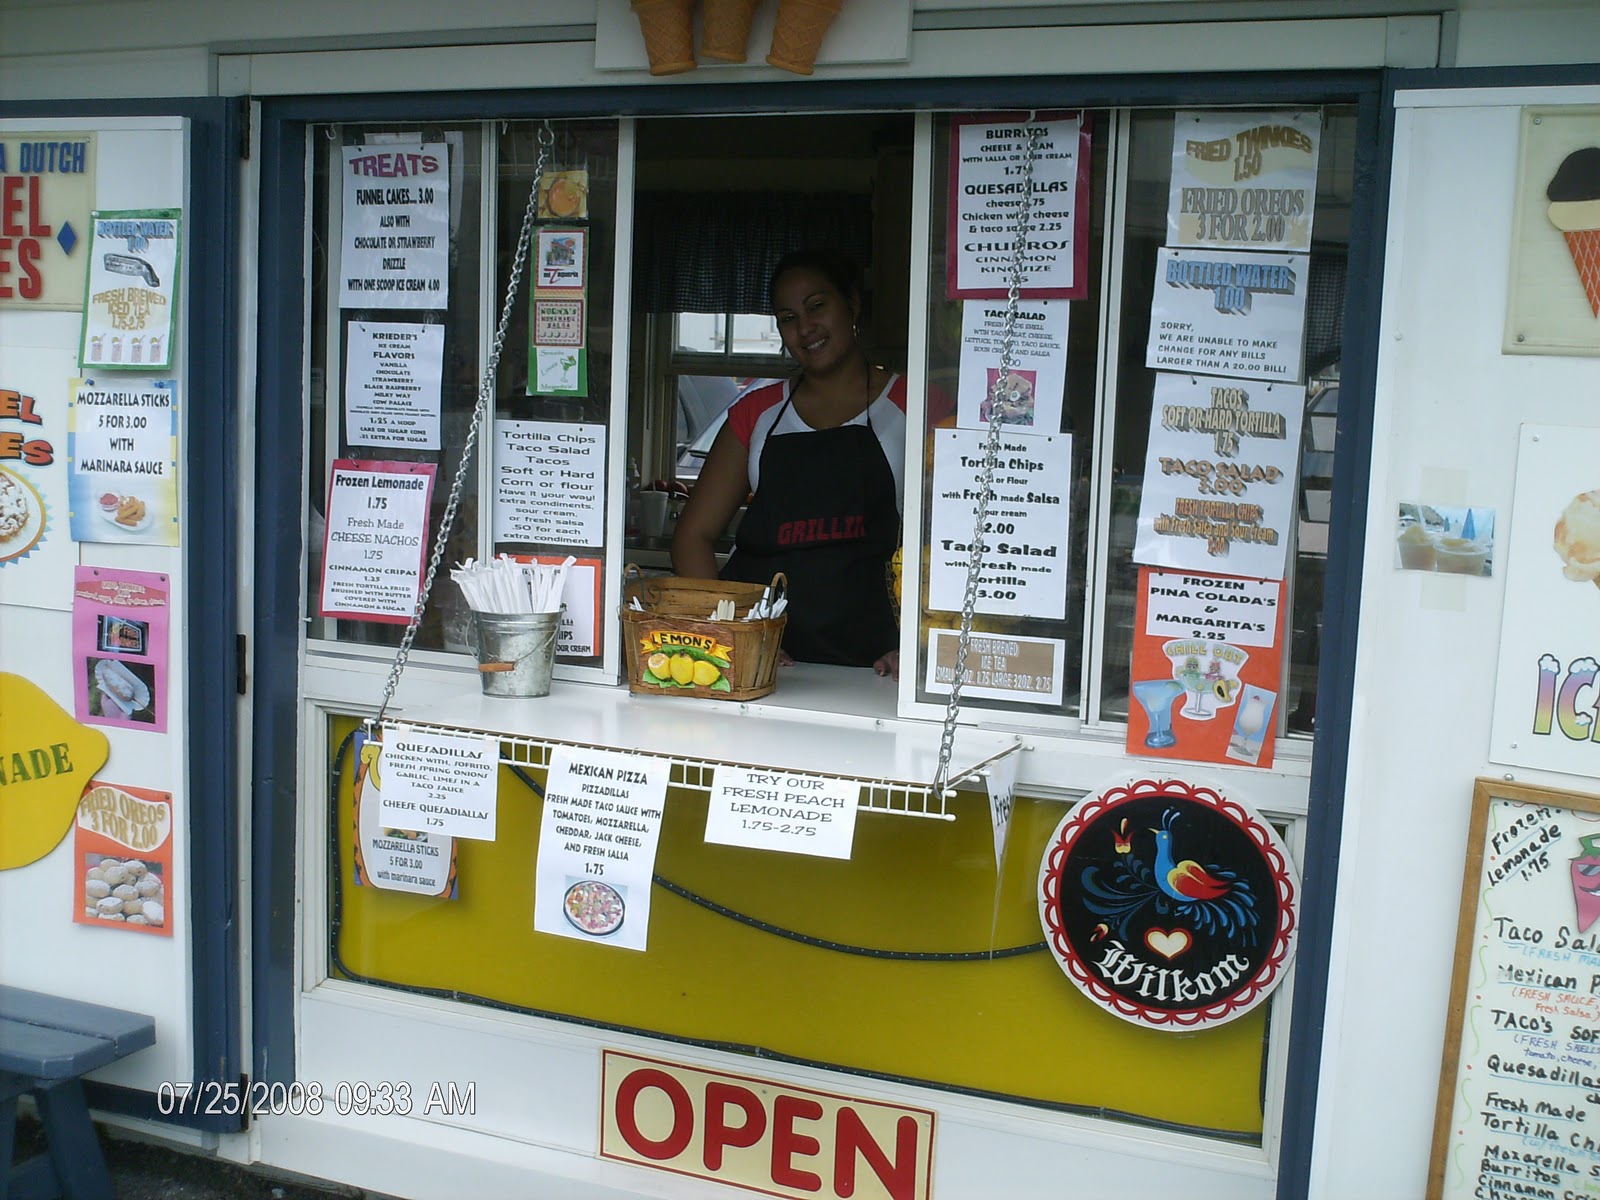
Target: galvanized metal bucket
516	651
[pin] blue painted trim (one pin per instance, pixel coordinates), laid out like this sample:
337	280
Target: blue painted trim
1341	608
210	552
280	503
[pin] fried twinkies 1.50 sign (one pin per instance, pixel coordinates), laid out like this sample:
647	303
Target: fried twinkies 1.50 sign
46	195
761	1135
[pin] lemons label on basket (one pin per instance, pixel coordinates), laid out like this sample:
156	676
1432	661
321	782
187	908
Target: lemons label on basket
670	658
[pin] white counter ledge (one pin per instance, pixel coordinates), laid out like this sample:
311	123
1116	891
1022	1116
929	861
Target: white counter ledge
810	724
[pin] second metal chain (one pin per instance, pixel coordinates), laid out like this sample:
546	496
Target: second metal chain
485	394
991	453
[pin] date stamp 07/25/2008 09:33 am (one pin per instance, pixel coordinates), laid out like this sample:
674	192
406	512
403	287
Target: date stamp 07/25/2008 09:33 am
346	1098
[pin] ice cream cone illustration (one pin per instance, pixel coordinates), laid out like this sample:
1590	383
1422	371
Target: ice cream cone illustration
1577	538
799	32
725	28
1574	195
668	34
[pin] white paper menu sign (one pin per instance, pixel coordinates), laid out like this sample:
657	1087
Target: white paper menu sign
396	233
376	540
549	482
1218	608
398	860
393	375
1032	397
783	810
1244	179
1229	312
1219	476
1001	780
987	162
1024	571
443	783
598	832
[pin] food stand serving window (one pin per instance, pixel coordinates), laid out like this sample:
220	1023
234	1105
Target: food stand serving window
914	952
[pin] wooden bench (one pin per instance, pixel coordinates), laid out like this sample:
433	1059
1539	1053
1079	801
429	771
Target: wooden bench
47	1044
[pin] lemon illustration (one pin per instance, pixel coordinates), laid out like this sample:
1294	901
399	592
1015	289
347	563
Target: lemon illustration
705	673
682	668
658	665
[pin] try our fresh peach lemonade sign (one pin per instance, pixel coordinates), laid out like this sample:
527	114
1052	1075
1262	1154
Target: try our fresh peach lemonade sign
762	1135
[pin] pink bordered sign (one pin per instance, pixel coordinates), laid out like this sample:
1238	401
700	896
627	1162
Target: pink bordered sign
987	179
1168	904
377	539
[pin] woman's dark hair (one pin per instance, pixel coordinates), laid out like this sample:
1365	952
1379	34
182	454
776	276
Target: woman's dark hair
836	268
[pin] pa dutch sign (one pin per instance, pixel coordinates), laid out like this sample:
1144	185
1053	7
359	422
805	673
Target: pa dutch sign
46	195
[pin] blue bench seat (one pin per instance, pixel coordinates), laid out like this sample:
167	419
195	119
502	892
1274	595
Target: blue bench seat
47	1045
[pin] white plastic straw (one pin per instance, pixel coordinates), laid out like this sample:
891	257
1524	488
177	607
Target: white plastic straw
504	585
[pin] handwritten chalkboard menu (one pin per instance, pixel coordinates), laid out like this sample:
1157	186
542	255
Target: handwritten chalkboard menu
1519	1093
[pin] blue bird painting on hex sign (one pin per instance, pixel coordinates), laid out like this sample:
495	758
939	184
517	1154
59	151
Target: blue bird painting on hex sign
1169	904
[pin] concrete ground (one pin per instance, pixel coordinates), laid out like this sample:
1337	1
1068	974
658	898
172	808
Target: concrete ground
148	1170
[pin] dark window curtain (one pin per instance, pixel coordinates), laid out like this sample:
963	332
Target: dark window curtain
712	252
1325	281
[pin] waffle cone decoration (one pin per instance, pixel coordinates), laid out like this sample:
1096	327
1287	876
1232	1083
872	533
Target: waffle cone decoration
799	32
1584	246
726	28
668	34
1574	195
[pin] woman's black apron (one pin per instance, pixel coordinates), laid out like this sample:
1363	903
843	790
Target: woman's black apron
826	515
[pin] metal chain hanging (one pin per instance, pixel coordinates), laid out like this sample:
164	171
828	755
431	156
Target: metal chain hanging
991	452
546	137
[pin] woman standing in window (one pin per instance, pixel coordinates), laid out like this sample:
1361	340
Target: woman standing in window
822	456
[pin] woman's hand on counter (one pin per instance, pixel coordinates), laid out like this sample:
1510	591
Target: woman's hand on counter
889	665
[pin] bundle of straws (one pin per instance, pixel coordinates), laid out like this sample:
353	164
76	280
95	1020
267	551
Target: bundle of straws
503	585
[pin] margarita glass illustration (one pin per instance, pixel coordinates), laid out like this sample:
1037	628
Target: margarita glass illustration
1208	673
1155	696
1194	683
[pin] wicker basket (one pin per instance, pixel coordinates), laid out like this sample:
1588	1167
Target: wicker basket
673	650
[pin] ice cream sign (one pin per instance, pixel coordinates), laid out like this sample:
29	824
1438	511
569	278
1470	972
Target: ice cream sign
1547	694
1574	195
46	194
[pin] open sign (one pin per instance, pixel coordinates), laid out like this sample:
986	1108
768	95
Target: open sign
762	1135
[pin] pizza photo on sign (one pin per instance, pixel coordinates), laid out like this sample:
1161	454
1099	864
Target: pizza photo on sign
1169	905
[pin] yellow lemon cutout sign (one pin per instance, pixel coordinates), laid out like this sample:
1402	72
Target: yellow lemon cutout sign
46	760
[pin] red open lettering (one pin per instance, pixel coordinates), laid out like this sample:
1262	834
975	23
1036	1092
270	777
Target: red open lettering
786	1143
899	1178
677	1138
719	1096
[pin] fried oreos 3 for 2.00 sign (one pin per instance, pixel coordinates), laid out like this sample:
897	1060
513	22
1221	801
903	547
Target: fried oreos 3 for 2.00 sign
1168	904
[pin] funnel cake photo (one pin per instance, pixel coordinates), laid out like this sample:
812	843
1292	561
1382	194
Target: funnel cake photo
1578	538
1574	195
14	508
